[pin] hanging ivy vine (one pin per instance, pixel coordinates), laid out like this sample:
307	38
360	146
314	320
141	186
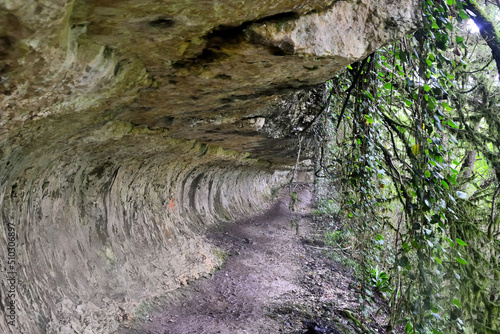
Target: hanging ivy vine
411	141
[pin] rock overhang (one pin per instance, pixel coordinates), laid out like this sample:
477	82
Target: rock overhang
199	70
129	127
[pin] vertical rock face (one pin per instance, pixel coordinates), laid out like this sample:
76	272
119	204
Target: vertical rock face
129	127
99	230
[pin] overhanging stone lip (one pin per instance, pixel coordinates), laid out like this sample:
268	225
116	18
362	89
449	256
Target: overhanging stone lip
227	75
277	54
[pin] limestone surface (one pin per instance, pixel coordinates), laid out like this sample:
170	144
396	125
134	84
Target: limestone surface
128	127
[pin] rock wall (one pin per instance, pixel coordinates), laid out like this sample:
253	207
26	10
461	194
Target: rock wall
100	229
127	128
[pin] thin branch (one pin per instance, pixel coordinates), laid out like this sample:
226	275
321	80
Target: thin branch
388	159
492	214
392	140
480	70
351	87
325	109
468	91
296	163
393	125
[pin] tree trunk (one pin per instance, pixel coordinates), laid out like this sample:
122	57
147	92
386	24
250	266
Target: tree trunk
468	166
486	28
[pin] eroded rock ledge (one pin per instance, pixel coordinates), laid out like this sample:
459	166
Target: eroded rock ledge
128	127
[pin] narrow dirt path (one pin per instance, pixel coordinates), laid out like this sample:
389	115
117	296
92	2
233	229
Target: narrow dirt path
261	287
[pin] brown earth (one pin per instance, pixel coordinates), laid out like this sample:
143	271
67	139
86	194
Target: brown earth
277	279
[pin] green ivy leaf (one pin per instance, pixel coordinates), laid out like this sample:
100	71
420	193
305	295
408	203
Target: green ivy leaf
446	106
437	122
432	105
427	173
462	261
452	124
452	179
427	87
461	242
463	15
457	303
444	184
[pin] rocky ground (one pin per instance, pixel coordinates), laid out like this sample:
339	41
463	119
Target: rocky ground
278	277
